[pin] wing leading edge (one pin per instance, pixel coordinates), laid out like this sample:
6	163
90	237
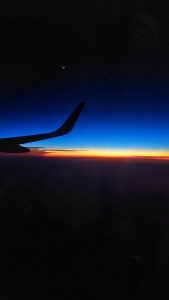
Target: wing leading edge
64	129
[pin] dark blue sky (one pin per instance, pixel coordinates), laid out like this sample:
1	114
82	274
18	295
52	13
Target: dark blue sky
121	112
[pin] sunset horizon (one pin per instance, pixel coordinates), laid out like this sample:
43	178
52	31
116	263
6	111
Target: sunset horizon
157	154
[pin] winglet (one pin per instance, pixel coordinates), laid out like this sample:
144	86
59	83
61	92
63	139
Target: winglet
70	122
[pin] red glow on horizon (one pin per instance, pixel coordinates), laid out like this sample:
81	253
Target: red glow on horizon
131	154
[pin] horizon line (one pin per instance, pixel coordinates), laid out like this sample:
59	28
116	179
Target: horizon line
129	153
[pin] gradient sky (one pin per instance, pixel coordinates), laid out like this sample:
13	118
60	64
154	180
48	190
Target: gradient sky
112	55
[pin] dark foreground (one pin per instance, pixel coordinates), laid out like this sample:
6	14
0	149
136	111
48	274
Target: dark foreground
84	229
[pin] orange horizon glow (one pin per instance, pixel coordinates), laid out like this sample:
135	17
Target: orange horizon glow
95	153
110	153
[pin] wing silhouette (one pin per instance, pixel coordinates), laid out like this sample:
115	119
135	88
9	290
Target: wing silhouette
12	144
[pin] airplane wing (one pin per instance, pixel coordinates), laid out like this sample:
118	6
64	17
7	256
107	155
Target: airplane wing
64	129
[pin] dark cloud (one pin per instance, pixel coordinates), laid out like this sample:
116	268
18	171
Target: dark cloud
83	227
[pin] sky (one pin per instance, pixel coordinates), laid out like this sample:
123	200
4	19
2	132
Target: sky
112	55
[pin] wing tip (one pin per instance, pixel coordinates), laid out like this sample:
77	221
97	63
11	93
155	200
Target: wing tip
72	119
